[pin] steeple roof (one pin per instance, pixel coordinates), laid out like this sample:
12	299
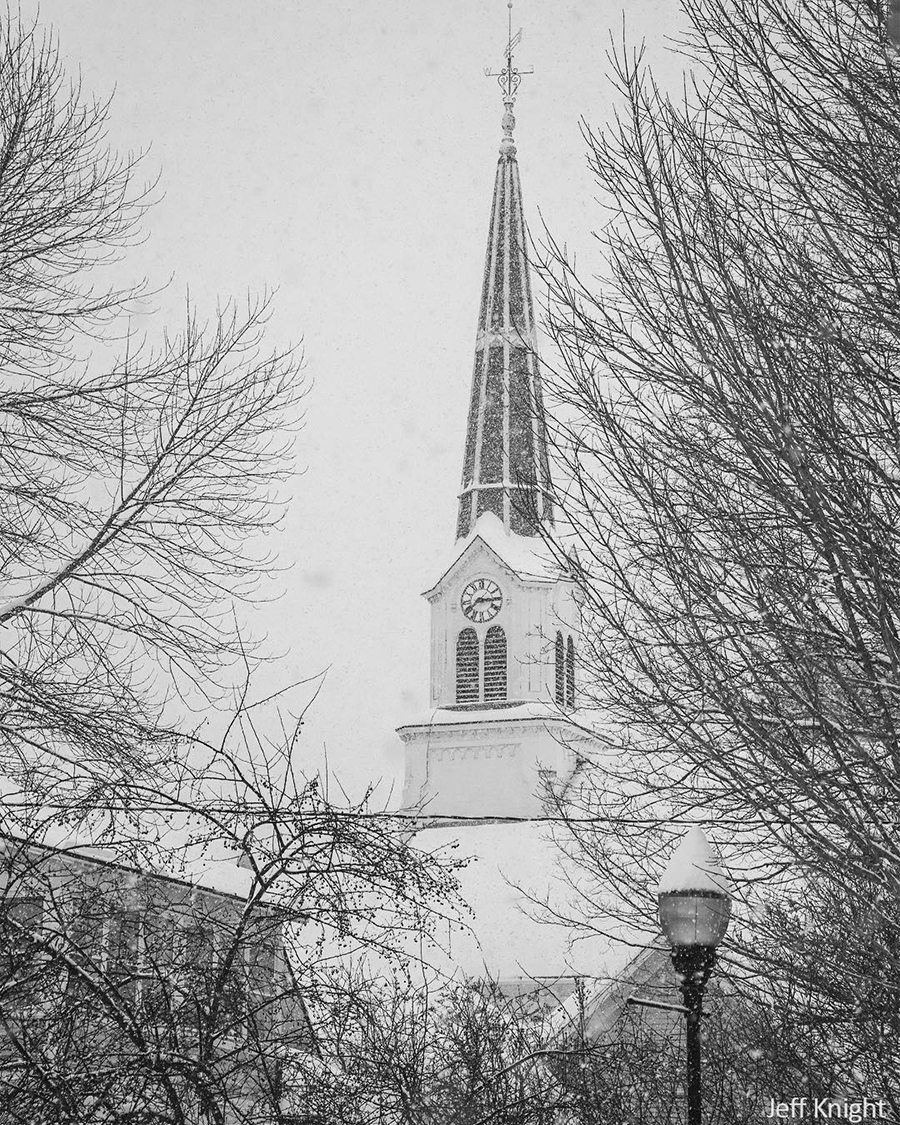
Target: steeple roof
506	469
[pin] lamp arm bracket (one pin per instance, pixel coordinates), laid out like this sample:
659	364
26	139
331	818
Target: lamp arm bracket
656	1004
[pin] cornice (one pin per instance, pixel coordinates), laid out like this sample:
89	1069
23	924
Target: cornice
480	730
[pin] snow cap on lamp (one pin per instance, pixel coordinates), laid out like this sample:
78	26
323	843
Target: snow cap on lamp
694	866
694	903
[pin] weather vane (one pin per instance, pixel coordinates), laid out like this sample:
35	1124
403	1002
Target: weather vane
509	78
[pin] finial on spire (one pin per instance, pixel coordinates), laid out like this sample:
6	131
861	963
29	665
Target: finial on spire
509	79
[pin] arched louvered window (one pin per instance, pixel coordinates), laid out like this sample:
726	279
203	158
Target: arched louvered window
495	663
560	671
570	673
467	666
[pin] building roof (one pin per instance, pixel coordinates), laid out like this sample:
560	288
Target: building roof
171	855
513	866
514	711
505	467
220	876
595	1009
524	556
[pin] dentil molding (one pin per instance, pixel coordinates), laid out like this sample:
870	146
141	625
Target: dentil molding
474	753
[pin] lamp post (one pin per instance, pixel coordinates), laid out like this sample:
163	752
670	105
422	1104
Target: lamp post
694	907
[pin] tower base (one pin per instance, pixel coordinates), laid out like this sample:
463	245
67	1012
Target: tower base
488	762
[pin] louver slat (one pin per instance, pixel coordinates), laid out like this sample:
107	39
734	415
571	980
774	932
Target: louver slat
467	666
495	664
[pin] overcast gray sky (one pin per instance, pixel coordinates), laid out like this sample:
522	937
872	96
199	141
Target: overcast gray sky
344	152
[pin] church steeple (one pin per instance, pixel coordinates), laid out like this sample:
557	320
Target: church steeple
506	469
505	620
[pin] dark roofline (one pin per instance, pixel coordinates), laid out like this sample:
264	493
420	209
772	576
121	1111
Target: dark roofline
118	865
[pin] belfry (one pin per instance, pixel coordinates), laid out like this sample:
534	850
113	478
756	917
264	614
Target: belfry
505	621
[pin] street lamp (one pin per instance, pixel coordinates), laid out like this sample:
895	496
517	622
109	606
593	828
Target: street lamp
694	907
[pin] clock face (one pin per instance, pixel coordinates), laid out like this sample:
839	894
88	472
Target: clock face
481	600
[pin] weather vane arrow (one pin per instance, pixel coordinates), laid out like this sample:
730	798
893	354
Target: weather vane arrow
509	77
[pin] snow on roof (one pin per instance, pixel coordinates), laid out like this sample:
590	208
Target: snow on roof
450	716
526	555
589	724
694	866
173	857
221	875
510	862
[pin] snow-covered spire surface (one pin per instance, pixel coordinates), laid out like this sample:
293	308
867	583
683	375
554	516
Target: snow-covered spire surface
505	469
694	866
